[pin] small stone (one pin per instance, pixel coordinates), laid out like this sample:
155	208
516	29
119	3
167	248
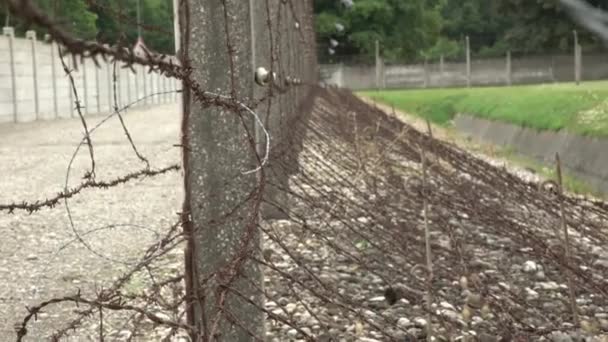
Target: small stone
291	307
404	322
560	337
548	286
474	300
603	324
540	275
419	321
531	294
602	263
530	266
377	299
31	257
447	305
292	333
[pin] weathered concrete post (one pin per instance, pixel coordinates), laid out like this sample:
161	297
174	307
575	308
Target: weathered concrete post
220	151
85	86
97	90
128	81
426	73
144	82
137	93
509	71
378	66
31	35
110	87
441	70
577	56
9	33
468	55
70	65
47	37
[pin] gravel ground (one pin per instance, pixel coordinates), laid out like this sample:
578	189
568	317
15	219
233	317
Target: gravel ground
39	259
34	265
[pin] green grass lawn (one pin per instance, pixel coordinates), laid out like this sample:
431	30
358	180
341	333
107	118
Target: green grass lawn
579	109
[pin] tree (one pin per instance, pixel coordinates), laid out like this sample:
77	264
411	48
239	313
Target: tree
73	15
117	19
404	28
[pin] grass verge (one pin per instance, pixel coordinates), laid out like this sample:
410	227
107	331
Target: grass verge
579	109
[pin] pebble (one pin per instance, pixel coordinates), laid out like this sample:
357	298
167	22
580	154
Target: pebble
403	322
290	308
531	294
530	266
548	286
419	321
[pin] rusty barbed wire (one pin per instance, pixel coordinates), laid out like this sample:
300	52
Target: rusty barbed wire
362	210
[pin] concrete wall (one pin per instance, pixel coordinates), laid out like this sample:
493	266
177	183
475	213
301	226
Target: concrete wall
484	72
583	157
34	86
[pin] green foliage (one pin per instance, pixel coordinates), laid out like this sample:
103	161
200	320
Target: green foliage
415	29
156	16
404	28
580	109
109	20
73	15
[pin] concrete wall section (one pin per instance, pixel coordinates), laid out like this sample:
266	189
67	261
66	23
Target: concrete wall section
584	157
484	72
34	85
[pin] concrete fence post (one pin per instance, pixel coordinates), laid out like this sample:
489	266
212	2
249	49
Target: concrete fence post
9	33
128	81
215	172
85	86
144	79
509	71
162	88
159	97
110	86
577	75
426	73
47	37
441	70
31	35
97	90
137	94
579	63
468	57
119	87
70	65
378	66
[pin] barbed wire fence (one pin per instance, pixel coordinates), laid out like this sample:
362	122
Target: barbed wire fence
310	215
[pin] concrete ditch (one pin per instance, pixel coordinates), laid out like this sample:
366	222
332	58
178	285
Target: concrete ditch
584	157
